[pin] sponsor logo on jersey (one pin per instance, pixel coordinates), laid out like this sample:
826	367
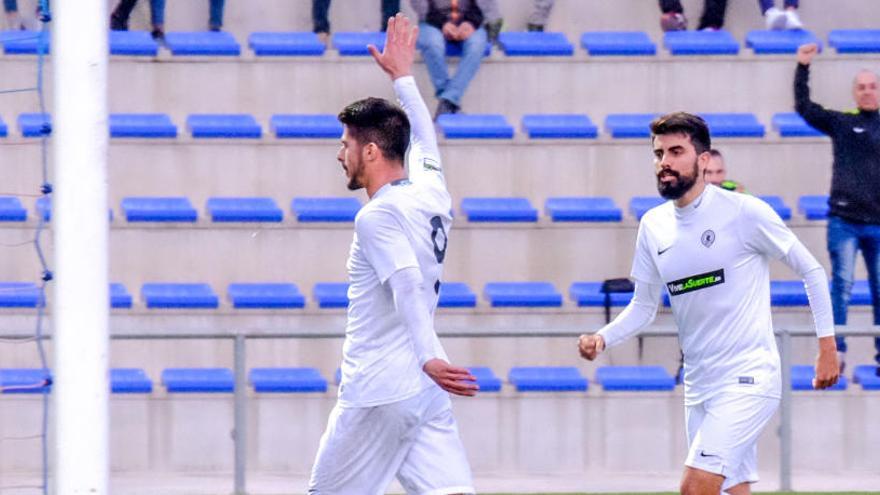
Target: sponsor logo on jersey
746	380
431	165
696	282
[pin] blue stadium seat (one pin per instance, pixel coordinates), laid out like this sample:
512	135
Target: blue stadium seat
130	381
4	129
618	43
137	43
629	125
700	43
120	298
733	125
790	124
19	295
325	209
25	381
35	124
499	210
286	44
218	125
778	205
475	126
518	43
141	125
243	210
861	293
770	42
203	43
306	126
11	209
331	295
198	380
177	296
547	379
283	380
22	42
566	126
640	205
456	295
590	294
355	43
855	40
149	209
486	379
634	378
522	295
866	376
583	209
265	296
802	378
814	207
788	293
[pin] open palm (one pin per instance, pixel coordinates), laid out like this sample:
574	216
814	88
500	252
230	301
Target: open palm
400	46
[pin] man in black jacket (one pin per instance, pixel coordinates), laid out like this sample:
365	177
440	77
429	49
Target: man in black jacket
854	217
460	22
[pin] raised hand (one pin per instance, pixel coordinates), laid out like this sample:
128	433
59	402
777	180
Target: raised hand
590	346
400	47
458	381
806	53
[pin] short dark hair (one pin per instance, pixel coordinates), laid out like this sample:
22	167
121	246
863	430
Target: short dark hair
375	120
717	154
684	123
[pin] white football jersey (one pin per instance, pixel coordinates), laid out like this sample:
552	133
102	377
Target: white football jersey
713	258
380	364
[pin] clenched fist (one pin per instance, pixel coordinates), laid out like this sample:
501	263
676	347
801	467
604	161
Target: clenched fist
591	346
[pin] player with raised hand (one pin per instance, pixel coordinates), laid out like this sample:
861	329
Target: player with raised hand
393	417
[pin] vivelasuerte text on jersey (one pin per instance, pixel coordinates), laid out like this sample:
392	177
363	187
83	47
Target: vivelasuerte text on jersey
404	225
713	257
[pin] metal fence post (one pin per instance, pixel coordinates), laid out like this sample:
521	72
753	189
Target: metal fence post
785	413
239	435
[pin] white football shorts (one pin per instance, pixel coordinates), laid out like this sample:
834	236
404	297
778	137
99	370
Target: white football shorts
416	440
723	433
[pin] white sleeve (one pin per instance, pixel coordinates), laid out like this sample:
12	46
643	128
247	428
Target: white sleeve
804	264
765	232
407	287
384	243
644	268
638	314
424	155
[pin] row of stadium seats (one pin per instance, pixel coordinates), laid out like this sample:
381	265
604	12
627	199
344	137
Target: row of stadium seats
597	43
328	295
344	209
305	380
452	126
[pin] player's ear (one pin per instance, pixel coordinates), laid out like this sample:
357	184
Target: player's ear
370	152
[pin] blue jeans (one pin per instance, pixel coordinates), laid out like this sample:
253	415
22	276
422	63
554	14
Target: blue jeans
216	14
157	11
845	239
10	5
433	46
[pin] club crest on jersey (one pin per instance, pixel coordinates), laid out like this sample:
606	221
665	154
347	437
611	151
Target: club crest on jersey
708	238
695	282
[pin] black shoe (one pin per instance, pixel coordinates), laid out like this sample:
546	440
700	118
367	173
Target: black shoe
117	23
445	106
158	34
539	28
214	29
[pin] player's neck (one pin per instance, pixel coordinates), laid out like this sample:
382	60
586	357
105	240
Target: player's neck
691	195
384	176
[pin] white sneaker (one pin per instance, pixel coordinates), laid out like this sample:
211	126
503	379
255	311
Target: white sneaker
792	21
775	19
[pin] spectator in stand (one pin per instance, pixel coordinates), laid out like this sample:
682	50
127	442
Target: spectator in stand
456	21
321	20
672	16
120	15
777	19
13	19
854	214
716	173
540	13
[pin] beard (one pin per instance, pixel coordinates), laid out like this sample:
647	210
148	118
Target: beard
354	182
680	186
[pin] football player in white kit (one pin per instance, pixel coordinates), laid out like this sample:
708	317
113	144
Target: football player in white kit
710	248
393	417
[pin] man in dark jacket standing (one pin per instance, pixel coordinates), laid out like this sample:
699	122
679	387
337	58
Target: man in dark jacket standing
458	21
854	216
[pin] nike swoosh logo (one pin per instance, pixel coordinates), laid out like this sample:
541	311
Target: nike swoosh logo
661	251
703	454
